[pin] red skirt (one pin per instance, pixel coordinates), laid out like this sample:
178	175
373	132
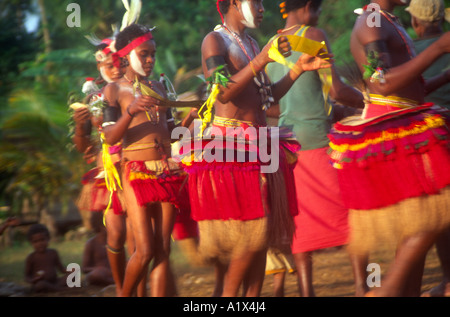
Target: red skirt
391	158
158	181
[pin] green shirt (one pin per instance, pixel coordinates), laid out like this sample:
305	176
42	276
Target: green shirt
441	96
302	109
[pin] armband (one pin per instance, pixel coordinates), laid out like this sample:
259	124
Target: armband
214	62
376	46
376	58
110	116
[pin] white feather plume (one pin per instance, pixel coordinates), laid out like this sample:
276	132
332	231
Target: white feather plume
93	39
133	10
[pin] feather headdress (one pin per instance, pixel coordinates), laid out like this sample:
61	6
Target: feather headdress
133	10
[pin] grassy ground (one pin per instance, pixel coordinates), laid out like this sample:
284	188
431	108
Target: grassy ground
332	271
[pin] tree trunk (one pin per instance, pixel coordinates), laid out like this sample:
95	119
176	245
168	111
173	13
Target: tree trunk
45	30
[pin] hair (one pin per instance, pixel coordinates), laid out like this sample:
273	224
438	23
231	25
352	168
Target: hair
292	5
101	47
37	228
224	6
128	34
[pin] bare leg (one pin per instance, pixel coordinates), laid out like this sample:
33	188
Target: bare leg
359	265
161	276
142	286
141	222
406	268
237	269
303	263
115	233
219	271
141	290
278	284
443	251
255	276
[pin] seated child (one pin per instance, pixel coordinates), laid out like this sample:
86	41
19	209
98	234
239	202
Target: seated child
42	265
95	260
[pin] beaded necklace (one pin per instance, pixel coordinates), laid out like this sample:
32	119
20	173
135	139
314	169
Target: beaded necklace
265	89
392	19
152	116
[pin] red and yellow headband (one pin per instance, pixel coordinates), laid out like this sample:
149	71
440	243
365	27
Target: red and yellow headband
127	49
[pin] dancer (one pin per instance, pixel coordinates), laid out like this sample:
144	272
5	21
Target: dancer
95	195
229	198
427	19
322	221
152	182
393	162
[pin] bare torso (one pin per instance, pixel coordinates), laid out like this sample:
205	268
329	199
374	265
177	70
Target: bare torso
400	50
247	105
142	135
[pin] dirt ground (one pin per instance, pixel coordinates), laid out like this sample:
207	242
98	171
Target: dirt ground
332	278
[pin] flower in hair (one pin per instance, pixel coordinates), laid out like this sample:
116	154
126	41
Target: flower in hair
283	9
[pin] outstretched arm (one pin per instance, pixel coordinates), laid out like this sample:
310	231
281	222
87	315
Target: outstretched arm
436	82
397	76
214	54
304	63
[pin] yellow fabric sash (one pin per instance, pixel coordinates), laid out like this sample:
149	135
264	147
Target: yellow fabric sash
310	47
147	91
205	112
112	178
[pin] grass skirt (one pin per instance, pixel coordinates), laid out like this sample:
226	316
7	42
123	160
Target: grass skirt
238	208
394	173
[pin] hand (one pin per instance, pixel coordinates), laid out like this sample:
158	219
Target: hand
142	103
39	276
81	115
194	113
310	63
284	47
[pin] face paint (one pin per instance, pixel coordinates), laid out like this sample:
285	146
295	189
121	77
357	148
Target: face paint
104	75
136	64
249	18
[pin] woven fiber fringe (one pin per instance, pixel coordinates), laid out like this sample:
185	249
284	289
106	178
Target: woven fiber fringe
281	226
386	227
224	239
189	248
84	200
